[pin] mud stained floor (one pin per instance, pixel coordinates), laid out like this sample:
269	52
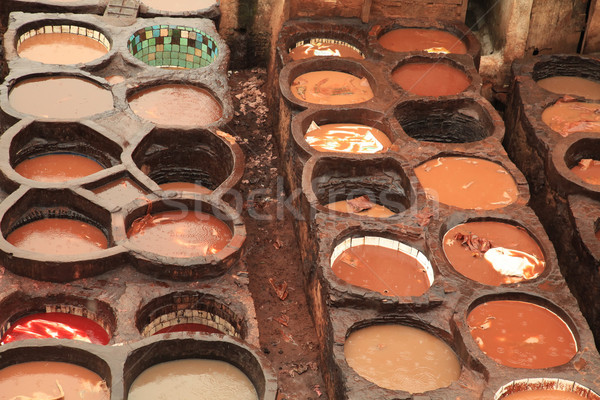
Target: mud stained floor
287	333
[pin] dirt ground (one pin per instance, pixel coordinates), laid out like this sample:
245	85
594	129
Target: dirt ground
287	333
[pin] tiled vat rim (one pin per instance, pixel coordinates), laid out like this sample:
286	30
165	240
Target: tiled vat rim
173	45
387	243
73	29
67	309
545	383
189	316
316	41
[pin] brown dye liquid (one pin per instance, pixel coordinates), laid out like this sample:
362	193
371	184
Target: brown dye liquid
428	79
348	138
475	265
60	97
121	191
57	167
415	39
185	187
58	236
195	379
61	48
180	233
572	85
177	105
469	183
400	357
179	5
50	380
380	269
331	87
310	50
377	210
566	118
588	170
544	395
519	334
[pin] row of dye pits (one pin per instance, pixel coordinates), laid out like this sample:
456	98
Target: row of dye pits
572	119
400	357
80	234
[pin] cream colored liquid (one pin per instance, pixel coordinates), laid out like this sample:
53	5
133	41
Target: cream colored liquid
192	379
572	85
46	380
400	357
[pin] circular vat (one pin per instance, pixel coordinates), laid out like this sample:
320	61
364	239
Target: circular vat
184	238
57	152
569	75
401	357
347	131
176	104
67	42
545	388
431	40
371	188
56	316
493	252
431	77
173	46
567	117
446	121
583	160
215	367
180	5
525	332
64	97
300	40
327	81
189	312
56	236
192	161
467	182
54	372
382	265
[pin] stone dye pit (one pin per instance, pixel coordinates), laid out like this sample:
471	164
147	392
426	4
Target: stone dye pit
414	230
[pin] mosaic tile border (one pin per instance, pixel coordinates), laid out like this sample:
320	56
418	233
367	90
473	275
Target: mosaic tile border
72	29
173	46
